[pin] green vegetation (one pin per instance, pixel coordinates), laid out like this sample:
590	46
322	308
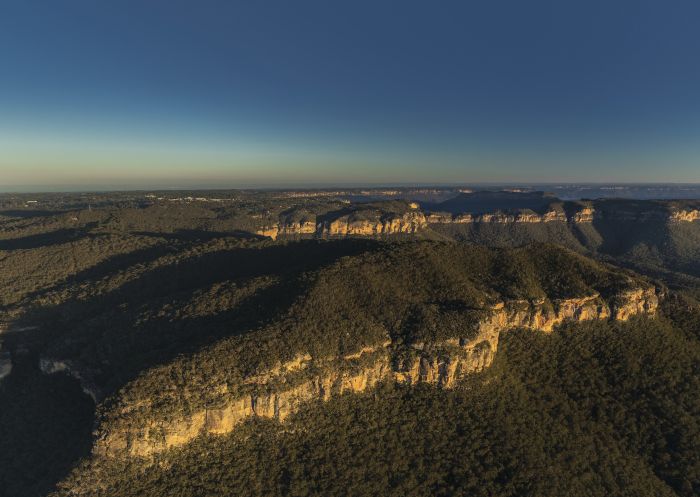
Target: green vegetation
512	234
600	409
248	309
157	300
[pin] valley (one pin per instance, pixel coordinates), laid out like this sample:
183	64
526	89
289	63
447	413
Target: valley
142	334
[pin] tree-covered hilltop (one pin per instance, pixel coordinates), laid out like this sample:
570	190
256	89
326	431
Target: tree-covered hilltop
154	302
60	238
597	409
218	315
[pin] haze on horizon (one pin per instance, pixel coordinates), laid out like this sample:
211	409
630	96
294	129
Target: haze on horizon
236	94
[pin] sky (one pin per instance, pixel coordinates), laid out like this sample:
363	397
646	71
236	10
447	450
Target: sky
147	94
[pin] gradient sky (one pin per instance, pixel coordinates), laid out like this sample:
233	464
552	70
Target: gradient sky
113	94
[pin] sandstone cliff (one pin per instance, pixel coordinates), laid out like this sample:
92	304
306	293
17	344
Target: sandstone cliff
349	225
410	222
685	215
585	215
279	392
289	228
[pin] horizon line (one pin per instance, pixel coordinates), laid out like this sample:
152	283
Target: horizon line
44	189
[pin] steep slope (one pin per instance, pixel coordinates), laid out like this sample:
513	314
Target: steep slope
412	313
597	409
188	333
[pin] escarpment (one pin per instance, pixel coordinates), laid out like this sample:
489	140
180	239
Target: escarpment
685	215
585	215
135	430
410	218
352	224
498	218
289	228
390	223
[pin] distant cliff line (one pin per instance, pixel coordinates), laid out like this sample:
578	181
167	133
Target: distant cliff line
415	220
278	393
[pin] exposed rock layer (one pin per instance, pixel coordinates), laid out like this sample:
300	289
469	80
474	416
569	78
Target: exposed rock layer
411	222
349	225
416	220
685	215
279	392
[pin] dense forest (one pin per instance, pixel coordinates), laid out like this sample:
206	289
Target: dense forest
232	310
148	303
596	409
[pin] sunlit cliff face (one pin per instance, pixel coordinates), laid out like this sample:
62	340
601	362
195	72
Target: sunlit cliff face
274	394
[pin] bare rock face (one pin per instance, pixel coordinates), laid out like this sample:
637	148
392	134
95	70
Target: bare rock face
149	438
269	231
415	220
633	302
289	228
439	218
354	224
684	215
585	215
350	225
522	217
280	391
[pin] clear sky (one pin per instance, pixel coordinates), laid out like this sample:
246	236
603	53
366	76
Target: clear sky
154	93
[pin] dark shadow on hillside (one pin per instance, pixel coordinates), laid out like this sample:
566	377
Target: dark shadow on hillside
619	236
174	242
109	266
46	421
57	237
333	215
489	201
105	333
369	211
45	427
28	214
201	235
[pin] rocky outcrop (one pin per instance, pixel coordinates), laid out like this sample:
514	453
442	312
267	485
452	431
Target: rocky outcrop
585	215
289	228
351	225
522	217
151	437
269	231
439	218
632	302
685	215
413	221
279	392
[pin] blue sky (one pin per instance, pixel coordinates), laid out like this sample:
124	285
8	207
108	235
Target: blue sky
147	94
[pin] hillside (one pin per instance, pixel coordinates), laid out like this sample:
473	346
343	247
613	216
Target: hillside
597	410
59	236
141	334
